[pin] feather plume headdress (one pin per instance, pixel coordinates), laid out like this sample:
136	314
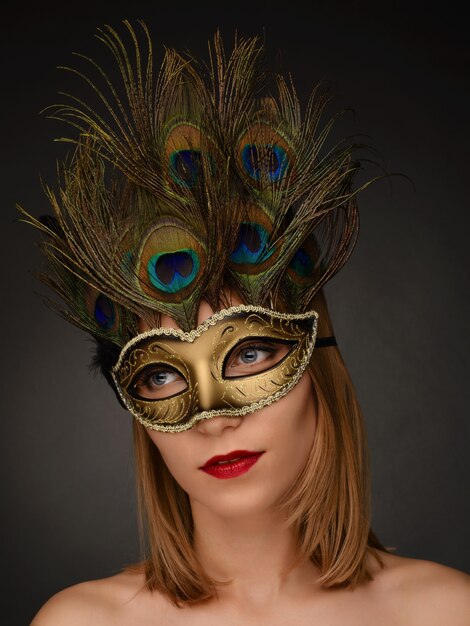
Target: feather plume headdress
189	181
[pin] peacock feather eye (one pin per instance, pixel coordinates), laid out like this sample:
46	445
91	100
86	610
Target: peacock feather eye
170	261
252	244
255	249
173	271
104	312
99	312
185	167
189	154
302	263
302	270
267	161
265	155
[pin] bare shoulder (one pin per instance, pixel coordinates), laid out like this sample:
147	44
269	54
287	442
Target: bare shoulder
99	602
424	592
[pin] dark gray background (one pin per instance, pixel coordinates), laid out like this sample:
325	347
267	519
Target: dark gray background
400	307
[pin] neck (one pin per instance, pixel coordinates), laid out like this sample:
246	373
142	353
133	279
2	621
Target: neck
255	553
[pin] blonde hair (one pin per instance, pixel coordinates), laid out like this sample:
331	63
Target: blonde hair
328	504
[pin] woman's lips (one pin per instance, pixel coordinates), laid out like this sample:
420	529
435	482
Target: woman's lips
231	465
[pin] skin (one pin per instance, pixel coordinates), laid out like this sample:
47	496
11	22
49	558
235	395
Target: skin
236	520
241	537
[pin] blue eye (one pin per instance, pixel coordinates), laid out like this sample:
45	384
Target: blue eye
162	377
173	271
269	161
249	355
185	167
105	312
254	356
157	382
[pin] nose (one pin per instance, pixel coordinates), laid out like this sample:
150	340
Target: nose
210	394
215	426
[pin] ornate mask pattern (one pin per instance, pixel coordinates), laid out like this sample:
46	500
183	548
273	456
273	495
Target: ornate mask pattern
239	360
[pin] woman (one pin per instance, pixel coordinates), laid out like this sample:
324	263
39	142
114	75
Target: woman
192	234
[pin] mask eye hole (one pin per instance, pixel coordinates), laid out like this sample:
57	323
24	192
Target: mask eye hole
254	356
157	382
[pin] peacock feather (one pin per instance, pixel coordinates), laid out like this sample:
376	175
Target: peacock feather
190	179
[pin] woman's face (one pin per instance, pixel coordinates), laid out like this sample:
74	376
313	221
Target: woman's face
284	431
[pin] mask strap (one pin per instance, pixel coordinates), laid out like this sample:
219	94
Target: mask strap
325	342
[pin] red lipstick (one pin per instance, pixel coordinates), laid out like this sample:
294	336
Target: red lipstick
232	464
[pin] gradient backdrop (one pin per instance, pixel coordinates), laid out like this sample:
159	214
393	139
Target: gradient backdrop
401	306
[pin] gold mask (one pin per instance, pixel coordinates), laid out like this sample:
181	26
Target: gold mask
170	379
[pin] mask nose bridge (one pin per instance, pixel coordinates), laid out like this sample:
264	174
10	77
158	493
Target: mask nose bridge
202	368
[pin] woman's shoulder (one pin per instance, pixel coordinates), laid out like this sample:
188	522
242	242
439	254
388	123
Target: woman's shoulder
423	591
405	591
101	602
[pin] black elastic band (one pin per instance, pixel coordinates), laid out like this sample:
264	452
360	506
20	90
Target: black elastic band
325	342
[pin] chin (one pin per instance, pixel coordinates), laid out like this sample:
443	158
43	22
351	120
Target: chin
232	499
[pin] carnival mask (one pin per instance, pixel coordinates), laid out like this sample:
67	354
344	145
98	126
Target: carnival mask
237	361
